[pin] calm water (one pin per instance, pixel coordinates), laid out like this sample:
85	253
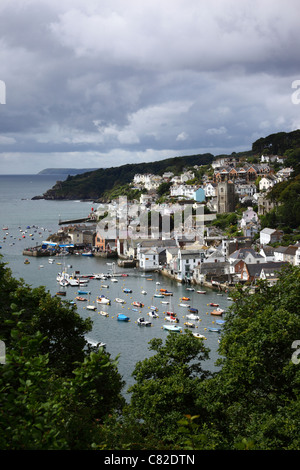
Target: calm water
18	211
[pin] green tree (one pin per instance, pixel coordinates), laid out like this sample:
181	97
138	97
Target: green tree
255	395
50	396
58	321
167	383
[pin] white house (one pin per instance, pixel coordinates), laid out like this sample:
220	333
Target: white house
183	190
148	259
266	183
210	189
270	235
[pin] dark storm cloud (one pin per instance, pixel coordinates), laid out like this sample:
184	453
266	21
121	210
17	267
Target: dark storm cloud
101	83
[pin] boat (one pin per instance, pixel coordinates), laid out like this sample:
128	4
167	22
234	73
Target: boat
62	292
121	317
158	283
105	286
189	324
185	298
127	291
64	282
81	299
165	302
217	311
184	305
163	290
172	328
87	253
103	313
220	322
138	304
83	292
152	307
120	301
216	330
173	314
153	314
191	316
26	261
103	300
74	282
142	322
159	296
190	289
193	310
172	319
201	291
51	260
91	307
198	335
113	279
213	304
144	292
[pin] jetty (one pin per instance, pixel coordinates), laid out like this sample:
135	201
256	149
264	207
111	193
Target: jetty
75	221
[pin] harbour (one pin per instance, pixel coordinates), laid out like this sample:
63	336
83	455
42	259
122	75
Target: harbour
127	340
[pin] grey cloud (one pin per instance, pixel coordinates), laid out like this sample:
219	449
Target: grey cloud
104	80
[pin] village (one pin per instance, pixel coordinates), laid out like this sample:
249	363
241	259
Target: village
199	249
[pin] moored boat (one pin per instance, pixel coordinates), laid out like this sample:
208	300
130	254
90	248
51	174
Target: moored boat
174	328
122	317
199	336
189	324
103	300
193	310
142	322
138	304
217	311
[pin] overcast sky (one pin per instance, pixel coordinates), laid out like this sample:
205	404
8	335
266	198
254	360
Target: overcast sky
98	83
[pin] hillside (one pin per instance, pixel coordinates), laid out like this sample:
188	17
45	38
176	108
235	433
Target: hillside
96	184
93	184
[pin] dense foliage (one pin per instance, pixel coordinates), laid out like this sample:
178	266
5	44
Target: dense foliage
54	396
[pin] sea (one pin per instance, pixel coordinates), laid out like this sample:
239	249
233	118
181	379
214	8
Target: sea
25	222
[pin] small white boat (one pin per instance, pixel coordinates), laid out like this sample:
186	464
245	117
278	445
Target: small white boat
91	307
172	328
104	314
144	292
184	305
142	322
201	292
198	335
191	316
120	301
153	314
171	319
113	279
103	300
